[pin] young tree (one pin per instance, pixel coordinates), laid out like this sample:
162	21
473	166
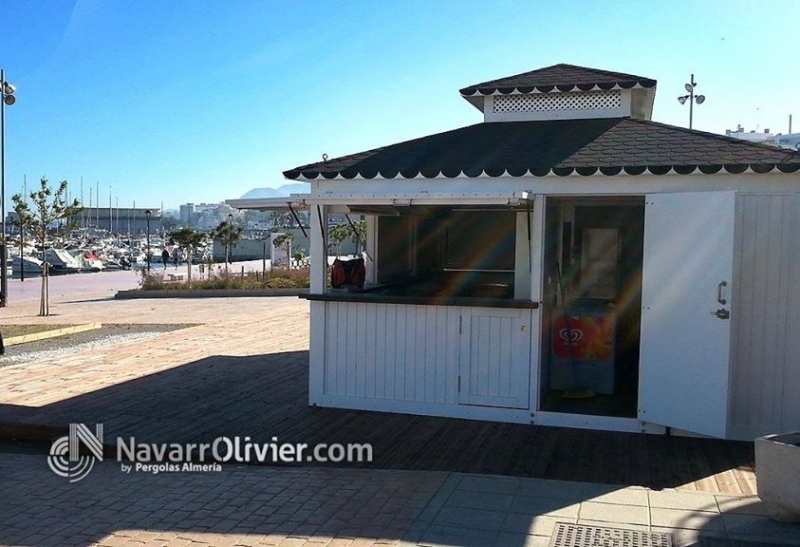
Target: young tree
22	220
47	207
188	240
229	235
356	232
285	241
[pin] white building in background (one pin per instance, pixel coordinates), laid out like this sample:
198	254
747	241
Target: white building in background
789	140
205	216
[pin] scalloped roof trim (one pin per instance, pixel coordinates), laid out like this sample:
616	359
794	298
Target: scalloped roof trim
540	89
631	170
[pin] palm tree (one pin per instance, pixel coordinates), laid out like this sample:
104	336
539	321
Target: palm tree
229	235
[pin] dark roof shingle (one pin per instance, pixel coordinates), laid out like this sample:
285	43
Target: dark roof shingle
610	145
561	77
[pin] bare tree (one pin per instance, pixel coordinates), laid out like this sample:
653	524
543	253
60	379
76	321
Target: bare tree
22	220
47	207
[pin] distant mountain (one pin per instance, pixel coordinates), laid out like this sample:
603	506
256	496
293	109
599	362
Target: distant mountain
283	191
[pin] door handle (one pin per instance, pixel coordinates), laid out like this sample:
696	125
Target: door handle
719	292
722	313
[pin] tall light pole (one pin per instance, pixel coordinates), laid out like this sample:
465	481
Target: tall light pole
110	213
7	95
147	214
692	98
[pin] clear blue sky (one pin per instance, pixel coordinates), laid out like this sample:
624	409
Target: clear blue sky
193	100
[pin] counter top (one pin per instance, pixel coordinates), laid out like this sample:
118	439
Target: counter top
375	298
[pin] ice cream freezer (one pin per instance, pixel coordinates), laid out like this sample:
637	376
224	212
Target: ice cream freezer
583	349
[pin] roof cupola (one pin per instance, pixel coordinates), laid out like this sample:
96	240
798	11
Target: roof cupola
563	92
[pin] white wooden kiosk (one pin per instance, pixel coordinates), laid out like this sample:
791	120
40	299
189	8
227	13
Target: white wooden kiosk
666	261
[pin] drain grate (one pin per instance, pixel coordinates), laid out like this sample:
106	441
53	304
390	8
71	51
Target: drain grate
578	535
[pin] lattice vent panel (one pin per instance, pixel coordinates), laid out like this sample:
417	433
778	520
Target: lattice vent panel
548	102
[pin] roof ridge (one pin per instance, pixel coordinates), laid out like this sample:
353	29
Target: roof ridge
717	136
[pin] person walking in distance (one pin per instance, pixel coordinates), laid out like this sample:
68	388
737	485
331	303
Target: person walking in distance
165	257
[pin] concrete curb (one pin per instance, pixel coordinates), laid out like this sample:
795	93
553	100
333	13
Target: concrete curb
200	293
42	335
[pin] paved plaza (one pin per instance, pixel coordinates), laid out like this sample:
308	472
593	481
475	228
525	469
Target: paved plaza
293	506
260	506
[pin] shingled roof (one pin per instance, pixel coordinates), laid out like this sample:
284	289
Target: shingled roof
559	147
560	77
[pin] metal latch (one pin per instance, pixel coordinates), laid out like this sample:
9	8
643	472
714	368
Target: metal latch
722	313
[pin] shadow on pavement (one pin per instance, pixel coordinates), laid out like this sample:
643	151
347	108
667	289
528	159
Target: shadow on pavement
265	396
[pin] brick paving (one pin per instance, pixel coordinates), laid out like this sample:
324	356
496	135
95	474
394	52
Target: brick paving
244	371
263	506
246	506
200	381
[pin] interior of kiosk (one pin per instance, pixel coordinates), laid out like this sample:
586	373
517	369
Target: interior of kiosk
592	313
444	251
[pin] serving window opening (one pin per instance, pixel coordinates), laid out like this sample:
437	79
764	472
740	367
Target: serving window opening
592	315
441	252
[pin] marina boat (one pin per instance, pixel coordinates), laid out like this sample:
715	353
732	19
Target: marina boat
62	262
31	265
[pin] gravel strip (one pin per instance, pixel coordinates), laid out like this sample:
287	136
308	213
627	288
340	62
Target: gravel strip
106	336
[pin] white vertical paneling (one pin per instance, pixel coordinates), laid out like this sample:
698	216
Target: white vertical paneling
411	353
522	255
319	245
377	323
790	418
495	364
440	357
537	290
430	342
742	308
451	338
388	343
331	345
504	379
400	353
318	352
342	319
361	350
688	260
420	318
766	337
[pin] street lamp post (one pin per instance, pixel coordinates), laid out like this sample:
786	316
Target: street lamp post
6	98
692	98
147	214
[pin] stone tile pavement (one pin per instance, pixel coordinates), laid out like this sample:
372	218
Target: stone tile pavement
312	507
252	506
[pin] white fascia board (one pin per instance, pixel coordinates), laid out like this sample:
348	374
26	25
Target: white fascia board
400	200
297	202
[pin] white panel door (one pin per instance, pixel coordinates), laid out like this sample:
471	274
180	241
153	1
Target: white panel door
686	298
495	357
